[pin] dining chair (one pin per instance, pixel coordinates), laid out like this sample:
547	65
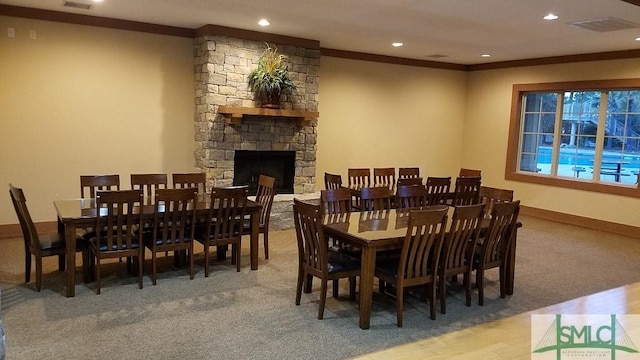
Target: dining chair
335	201
117	236
313	257
40	245
466	191
411	197
495	245
224	225
409	181
332	181
90	184
437	190
174	220
408	172
190	180
418	261
458	250
464	172
375	198
148	183
359	178
264	196
385	177
490	195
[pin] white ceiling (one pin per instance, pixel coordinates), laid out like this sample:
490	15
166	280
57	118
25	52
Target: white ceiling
461	30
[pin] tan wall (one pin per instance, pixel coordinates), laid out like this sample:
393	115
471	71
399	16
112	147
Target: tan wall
486	129
381	115
85	100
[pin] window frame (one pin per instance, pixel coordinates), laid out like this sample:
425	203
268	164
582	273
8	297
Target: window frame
511	166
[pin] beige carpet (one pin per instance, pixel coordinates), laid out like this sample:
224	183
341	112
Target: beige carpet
251	314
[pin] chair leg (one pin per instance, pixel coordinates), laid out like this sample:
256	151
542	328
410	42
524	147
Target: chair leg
97	275
206	259
352	288
443	293
154	268
62	262
266	244
38	273
432	300
140	259
336	286
238	253
381	286
503	277
308	283
299	285
27	266
190	255
467	287
480	285
399	303
323	299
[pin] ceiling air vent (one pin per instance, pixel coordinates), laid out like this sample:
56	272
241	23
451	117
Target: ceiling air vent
436	56
605	24
76	5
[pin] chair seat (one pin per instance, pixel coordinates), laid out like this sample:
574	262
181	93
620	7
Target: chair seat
339	262
148	239
103	246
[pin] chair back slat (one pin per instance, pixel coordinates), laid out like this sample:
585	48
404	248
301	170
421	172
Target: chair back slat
385	177
264	196
469	172
467	190
408	172
359	178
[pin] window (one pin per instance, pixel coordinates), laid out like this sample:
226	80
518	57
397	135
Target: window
583	135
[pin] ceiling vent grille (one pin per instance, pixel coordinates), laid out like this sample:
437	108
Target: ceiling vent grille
436	56
605	24
76	5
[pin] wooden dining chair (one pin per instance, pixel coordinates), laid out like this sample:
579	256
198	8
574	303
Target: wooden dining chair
332	181
458	250
464	172
118	236
173	226
313	257
438	189
359	178
264	196
90	184
418	261
408	172
466	191
335	201
495	245
411	197
148	183
375	198
190	180
490	196
222	226
385	177
40	245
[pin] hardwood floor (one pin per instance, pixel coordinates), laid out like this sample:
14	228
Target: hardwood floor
510	338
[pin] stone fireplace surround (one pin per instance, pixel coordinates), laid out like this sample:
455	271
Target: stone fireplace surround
221	65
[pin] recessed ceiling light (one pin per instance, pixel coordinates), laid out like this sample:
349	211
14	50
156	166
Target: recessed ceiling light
264	22
486	55
551	17
638	38
397	44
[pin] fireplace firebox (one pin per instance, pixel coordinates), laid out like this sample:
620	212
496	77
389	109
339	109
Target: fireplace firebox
249	164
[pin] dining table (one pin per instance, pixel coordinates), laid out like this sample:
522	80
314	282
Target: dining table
79	213
372	231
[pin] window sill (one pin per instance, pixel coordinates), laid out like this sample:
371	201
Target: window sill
576	184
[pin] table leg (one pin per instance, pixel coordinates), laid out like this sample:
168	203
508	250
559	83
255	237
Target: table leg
368	262
70	239
253	242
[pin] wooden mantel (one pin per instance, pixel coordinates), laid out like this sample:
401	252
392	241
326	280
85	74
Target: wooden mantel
234	115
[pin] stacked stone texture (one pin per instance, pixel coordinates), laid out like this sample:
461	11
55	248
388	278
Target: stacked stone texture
222	65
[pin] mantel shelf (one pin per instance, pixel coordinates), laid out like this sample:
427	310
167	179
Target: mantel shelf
234	115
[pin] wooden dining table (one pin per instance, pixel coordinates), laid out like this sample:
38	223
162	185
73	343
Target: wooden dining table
74	214
373	231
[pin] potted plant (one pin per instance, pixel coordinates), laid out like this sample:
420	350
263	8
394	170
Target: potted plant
271	79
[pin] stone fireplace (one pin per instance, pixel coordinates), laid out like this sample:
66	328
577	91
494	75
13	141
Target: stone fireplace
221	65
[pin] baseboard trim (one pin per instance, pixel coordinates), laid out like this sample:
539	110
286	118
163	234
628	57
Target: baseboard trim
14	231
581	221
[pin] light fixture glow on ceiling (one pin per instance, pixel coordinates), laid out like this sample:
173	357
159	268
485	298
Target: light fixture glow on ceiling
264	22
551	17
638	38
397	44
485	55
